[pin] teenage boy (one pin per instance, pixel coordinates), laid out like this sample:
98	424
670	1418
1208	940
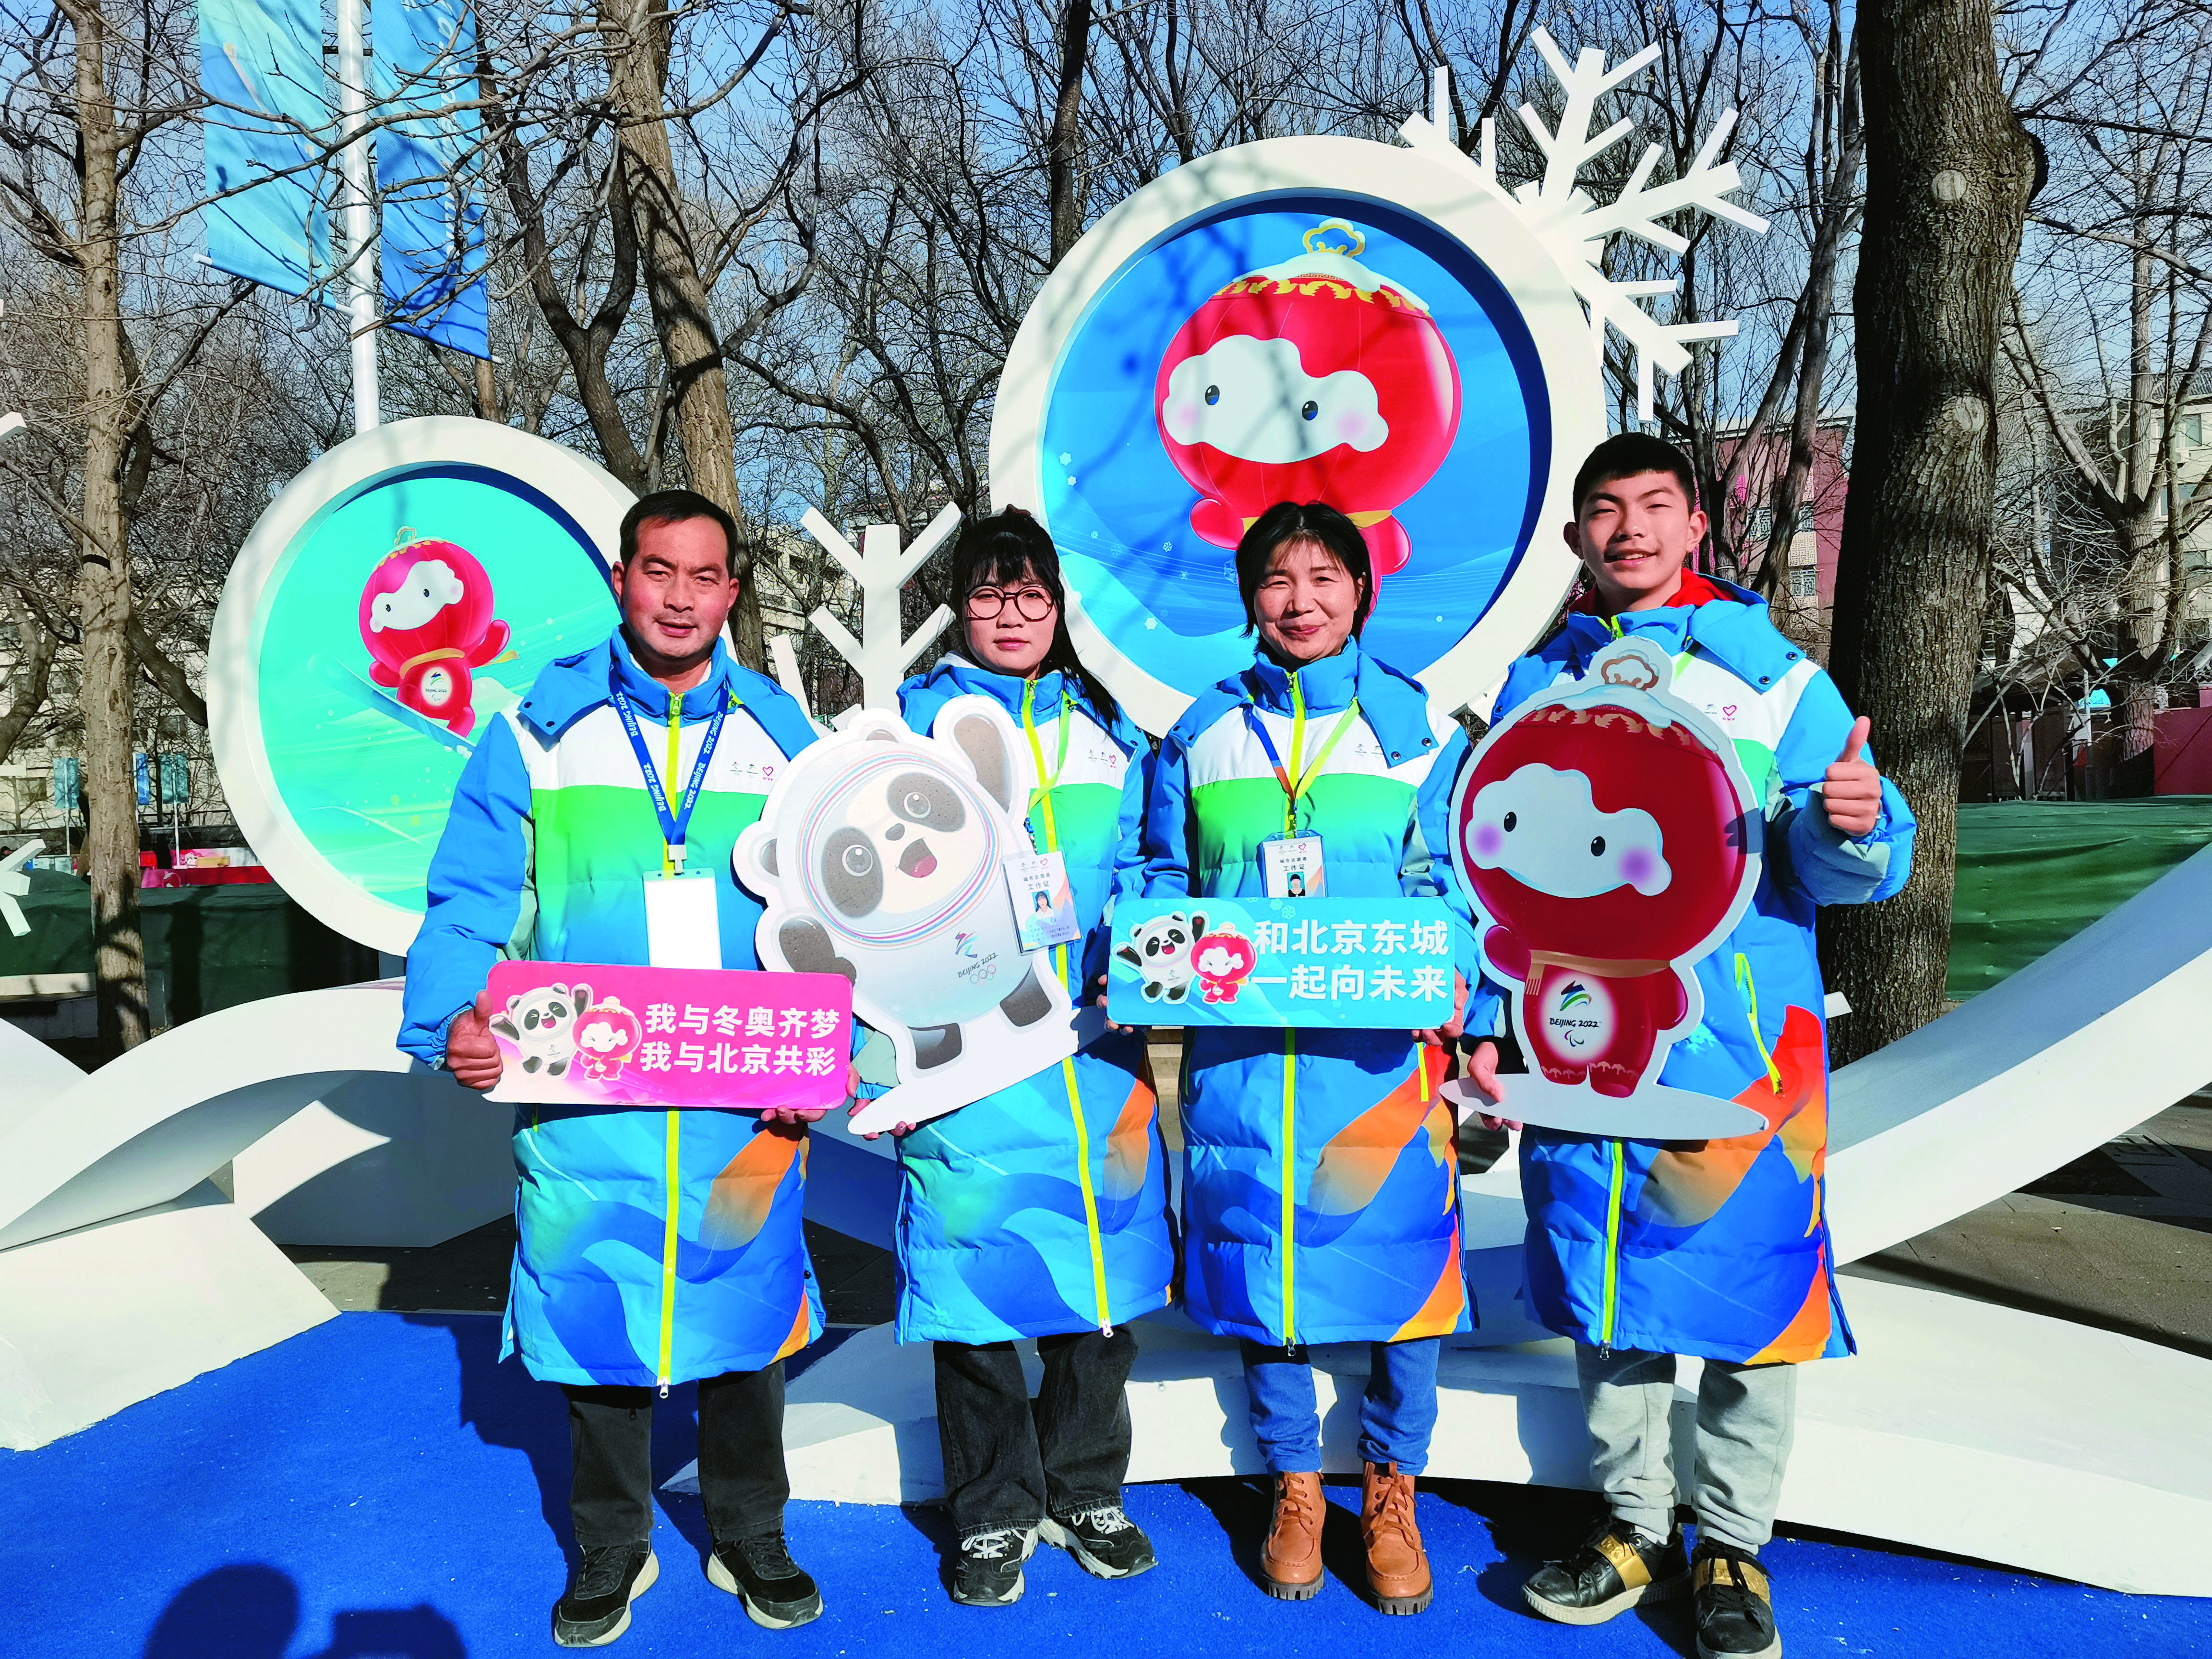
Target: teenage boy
1640	1250
656	1247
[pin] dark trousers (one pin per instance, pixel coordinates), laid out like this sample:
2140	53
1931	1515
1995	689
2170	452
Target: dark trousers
1010	1460
741	1473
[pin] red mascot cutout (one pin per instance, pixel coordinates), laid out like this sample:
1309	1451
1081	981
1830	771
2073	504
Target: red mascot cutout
1611	840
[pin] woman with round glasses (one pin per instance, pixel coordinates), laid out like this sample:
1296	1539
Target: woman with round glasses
1320	1180
1042	1210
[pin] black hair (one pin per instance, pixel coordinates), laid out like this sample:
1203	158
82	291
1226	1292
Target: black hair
676	507
1310	521
1003	548
1628	455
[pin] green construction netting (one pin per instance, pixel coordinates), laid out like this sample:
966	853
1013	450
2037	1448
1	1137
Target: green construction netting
206	947
2031	874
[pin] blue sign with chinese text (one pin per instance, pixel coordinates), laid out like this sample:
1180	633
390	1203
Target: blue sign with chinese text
1352	963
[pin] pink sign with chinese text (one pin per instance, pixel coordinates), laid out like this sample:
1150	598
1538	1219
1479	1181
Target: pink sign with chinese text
598	1033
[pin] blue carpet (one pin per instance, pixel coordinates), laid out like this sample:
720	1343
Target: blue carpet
380	1488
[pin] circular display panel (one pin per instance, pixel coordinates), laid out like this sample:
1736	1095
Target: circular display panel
399	596
1215	345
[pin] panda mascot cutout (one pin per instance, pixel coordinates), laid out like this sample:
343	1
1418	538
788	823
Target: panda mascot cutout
879	855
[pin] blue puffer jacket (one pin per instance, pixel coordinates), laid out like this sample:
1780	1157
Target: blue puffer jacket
1720	1248
1042	1208
1321	1192
655	1246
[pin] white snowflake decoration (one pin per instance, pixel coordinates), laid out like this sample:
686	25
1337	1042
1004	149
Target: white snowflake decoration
1574	228
880	569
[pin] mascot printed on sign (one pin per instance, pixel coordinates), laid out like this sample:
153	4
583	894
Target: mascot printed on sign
542	1026
1165	953
1313	379
425	618
1611	840
879	855
607	1037
1225	959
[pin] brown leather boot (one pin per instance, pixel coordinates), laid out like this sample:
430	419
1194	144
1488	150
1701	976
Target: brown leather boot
1397	1567
1289	1563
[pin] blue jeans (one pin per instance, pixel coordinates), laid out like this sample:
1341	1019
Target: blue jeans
1395	1418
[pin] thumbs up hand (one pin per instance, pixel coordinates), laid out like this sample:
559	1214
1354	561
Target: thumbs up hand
1852	793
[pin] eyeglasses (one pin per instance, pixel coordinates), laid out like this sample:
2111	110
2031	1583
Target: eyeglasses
1034	603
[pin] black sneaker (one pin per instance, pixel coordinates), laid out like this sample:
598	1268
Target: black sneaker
760	1572
1105	1543
989	1571
1733	1608
596	1609
1611	1573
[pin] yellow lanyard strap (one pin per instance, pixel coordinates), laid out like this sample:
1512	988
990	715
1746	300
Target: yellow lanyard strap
1041	795
1298	777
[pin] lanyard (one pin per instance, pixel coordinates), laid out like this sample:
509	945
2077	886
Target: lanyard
672	825
1043	793
1296	781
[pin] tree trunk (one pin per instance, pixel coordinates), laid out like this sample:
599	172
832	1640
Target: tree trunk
103	589
1061	188
2139	644
1949	173
697	390
2138	647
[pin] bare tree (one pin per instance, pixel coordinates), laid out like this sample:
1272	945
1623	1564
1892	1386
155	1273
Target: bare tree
93	92
1949	173
2110	325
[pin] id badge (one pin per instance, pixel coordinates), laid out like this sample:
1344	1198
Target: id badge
1292	867
1044	905
683	921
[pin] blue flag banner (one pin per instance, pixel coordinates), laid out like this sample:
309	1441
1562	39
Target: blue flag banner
174	778
432	226
261	62
1354	963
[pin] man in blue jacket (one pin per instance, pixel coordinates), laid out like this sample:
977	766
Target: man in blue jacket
594	822
1642	1250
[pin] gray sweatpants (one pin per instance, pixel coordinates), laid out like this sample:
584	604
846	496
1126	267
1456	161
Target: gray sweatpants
1747	1415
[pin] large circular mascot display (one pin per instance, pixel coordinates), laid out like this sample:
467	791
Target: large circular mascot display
1301	319
396	597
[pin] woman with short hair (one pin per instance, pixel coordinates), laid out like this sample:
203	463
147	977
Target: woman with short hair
1320	1176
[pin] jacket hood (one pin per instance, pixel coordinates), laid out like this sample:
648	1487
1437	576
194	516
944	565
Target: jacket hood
1735	630
568	687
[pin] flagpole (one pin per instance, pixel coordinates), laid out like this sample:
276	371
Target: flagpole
360	214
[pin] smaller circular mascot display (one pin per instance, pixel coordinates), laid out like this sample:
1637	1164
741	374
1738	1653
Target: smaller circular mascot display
1611	841
396	597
